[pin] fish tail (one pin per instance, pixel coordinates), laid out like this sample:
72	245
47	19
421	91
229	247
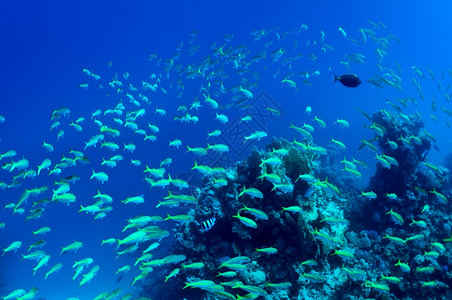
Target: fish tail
335	78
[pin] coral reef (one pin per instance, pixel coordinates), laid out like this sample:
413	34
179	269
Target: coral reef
280	232
298	224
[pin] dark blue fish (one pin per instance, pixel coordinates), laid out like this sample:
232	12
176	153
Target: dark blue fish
208	224
309	192
348	80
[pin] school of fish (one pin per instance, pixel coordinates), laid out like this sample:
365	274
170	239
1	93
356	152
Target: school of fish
224	82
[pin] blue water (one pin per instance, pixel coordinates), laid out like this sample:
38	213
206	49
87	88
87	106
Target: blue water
45	47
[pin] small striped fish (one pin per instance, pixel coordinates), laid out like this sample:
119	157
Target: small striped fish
208	224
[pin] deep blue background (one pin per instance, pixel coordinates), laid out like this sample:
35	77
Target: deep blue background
45	46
